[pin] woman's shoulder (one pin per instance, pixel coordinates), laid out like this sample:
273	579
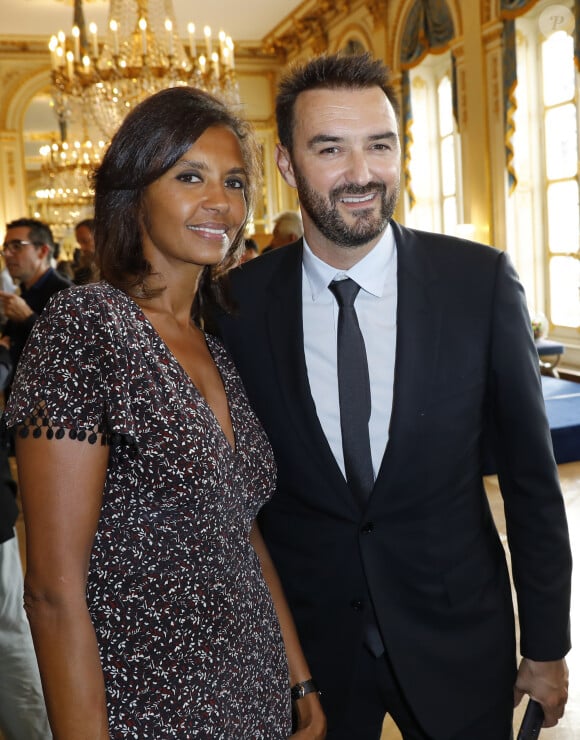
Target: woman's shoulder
99	291
96	298
84	314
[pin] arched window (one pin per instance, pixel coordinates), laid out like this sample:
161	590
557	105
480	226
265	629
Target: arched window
430	137
432	165
544	209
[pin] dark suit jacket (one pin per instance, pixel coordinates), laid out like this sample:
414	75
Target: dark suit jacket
37	297
425	548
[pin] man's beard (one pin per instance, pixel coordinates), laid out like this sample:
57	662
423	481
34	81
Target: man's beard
326	216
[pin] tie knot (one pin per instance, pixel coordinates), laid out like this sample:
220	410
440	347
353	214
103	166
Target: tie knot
345	291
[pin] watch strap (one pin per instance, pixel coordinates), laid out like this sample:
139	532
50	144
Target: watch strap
299	690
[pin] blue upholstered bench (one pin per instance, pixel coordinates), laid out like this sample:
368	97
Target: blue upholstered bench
549	353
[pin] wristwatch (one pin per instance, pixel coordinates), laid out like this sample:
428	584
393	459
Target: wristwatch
299	690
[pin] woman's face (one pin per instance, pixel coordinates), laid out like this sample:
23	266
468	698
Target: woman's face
193	212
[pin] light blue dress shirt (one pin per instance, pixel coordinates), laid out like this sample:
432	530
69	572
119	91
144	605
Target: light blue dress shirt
376	307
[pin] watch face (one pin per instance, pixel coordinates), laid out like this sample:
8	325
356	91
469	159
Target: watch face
297	692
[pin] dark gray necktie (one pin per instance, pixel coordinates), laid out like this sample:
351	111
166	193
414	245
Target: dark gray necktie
354	392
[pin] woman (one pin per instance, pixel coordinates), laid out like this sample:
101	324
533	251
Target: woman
142	466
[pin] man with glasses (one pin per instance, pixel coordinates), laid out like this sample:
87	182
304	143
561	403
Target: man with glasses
27	250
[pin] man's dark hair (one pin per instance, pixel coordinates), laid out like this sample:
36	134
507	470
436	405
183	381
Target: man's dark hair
88	222
39	233
329	71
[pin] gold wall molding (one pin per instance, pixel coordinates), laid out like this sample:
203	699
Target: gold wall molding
490	11
307	27
492	46
378	10
352	32
314	26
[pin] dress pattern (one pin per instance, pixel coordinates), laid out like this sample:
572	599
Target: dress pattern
188	636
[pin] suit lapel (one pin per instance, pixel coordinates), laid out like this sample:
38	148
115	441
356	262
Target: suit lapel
285	330
419	317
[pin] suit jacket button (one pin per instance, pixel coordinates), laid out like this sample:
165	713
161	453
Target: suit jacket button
357	605
368	528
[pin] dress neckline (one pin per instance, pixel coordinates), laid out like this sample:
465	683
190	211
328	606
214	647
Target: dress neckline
145	321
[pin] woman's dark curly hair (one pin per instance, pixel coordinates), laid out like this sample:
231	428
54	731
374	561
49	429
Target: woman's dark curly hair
151	139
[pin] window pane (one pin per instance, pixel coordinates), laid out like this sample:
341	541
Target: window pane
448	166
563	232
561	143
565	291
558	66
445	107
450	216
423	217
421	161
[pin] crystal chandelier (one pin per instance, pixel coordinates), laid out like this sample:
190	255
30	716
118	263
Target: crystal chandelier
66	169
66	195
140	53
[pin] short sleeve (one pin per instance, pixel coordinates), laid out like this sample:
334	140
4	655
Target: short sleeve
70	378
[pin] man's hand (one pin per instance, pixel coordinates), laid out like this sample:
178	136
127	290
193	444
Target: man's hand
14	307
547	683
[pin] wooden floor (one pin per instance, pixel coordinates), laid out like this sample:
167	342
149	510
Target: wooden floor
569	726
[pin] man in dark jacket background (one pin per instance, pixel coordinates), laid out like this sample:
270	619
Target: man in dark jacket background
27	250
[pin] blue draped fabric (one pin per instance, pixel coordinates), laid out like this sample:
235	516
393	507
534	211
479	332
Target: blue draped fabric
513	8
429	28
454	101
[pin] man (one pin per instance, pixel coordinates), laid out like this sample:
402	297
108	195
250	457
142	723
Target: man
28	248
85	269
399	587
22	709
287	229
251	250
85	236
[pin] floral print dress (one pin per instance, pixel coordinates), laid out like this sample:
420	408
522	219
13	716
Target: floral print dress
189	640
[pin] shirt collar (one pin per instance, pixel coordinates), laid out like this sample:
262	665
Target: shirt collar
370	272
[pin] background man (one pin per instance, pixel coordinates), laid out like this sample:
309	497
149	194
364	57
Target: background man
27	249
251	250
380	528
287	229
85	236
85	268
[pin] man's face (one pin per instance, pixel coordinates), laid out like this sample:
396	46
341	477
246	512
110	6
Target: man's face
85	239
25	262
345	164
